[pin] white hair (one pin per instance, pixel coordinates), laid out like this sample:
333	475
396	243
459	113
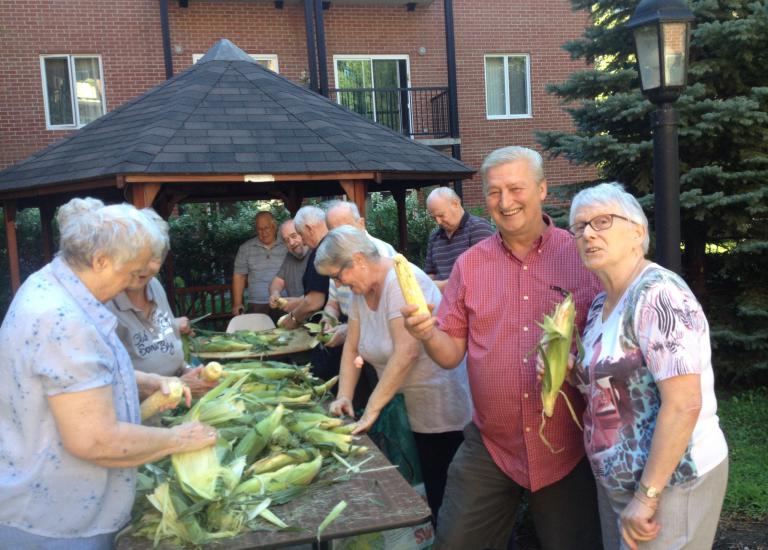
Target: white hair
308	215
341	244
349	206
443	193
611	194
506	155
162	244
119	231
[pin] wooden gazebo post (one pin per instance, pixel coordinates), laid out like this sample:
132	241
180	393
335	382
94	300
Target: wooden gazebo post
356	191
9	207
46	230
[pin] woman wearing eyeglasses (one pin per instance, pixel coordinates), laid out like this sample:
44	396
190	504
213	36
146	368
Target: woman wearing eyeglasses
650	428
437	400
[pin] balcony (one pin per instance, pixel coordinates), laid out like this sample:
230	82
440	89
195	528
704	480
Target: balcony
419	113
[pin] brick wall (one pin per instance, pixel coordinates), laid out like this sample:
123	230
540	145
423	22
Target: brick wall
127	36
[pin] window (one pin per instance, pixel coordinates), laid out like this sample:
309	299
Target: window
507	86
73	90
356	78
267	60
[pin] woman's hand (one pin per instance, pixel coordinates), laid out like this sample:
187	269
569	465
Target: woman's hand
184	326
197	385
149	383
342	406
637	523
366	421
420	326
192	436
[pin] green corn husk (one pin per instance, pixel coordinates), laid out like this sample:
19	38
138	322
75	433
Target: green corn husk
279	460
282	479
221	344
555	347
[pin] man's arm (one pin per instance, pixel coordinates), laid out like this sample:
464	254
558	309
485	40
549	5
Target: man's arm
276	287
311	303
445	350
238	287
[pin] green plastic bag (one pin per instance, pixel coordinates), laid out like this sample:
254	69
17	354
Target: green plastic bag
393	436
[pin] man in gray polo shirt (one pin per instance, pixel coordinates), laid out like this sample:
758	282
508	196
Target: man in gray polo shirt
257	262
288	283
458	230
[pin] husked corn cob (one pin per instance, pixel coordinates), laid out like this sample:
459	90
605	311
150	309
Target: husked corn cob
152	404
409	285
212	371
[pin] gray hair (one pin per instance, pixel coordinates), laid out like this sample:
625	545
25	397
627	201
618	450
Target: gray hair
119	231
266	214
161	244
286	222
611	194
443	193
505	155
308	215
349	206
341	244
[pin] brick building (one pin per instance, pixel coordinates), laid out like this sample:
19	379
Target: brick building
67	62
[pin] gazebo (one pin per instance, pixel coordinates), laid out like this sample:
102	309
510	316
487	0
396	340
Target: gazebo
226	129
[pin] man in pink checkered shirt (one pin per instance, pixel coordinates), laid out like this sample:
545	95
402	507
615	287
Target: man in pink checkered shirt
496	293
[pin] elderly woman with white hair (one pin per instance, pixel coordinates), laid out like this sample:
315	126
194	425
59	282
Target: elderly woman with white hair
650	428
146	325
70	437
437	400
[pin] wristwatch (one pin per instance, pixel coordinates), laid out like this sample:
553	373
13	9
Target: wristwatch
650	492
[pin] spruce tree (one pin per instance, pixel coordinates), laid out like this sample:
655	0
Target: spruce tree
723	156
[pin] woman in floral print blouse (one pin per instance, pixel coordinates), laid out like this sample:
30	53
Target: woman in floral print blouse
70	437
650	428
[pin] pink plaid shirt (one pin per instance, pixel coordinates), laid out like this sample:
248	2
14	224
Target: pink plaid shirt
494	301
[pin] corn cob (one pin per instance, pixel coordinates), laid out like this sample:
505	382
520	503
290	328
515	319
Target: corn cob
409	285
555	348
212	371
152	404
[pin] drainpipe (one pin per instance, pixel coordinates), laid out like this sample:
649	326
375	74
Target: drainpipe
453	98
309	23
322	63
166	32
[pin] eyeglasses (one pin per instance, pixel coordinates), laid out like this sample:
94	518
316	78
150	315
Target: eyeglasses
598	223
337	277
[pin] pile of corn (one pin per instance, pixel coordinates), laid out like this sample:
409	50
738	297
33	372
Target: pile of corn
274	441
242	340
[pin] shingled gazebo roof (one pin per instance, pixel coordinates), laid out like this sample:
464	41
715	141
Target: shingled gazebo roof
228	115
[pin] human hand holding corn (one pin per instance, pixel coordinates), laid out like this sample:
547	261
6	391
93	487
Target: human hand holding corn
342	406
191	436
418	325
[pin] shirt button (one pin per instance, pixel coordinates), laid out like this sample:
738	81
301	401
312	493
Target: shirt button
527	429
525	297
525	268
525	329
525	359
525	395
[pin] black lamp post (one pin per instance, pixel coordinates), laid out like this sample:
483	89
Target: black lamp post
662	33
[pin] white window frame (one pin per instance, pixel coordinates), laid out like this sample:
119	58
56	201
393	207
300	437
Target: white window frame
529	101
258	57
398	57
71	68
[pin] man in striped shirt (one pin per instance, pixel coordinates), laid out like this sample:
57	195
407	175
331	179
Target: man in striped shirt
497	292
457	231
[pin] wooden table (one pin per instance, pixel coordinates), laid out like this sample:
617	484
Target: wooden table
377	501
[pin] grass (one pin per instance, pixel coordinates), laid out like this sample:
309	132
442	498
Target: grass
743	417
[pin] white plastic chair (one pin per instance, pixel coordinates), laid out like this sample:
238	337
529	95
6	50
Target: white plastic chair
250	321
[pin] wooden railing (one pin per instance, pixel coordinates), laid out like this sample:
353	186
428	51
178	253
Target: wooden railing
195	301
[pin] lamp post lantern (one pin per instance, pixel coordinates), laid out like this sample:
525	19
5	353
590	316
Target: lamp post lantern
662	34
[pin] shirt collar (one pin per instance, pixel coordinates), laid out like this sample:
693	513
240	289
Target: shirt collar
541	242
104	319
462	222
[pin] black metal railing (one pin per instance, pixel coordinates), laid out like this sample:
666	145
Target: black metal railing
415	112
